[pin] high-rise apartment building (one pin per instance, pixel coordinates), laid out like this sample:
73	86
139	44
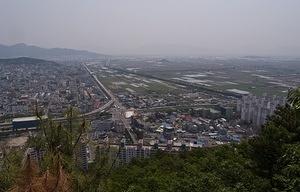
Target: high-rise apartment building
81	154
255	110
127	153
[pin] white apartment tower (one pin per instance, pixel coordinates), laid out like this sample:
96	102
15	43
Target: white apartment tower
255	110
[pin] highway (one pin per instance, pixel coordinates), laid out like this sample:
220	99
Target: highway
120	109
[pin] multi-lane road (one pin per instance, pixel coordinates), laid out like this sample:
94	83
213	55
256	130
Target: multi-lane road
120	109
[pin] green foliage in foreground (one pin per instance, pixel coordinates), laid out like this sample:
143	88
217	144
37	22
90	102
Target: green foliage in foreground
10	166
219	169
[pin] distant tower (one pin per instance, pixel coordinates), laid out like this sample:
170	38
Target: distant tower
107	62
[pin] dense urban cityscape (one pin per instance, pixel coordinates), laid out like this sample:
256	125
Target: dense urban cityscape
145	112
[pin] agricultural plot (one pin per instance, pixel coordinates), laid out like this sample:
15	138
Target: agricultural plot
257	82
120	82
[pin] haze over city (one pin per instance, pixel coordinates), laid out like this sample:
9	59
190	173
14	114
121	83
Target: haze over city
156	27
150	95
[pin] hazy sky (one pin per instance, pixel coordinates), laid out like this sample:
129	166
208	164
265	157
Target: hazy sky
171	27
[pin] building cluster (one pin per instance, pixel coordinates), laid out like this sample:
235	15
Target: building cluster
187	128
101	130
51	87
124	153
255	110
157	100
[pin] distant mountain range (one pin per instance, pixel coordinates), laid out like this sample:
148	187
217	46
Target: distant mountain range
27	61
24	50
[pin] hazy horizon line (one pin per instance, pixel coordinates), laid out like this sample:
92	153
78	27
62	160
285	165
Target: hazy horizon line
160	54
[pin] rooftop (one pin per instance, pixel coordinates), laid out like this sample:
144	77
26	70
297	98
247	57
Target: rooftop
238	91
32	118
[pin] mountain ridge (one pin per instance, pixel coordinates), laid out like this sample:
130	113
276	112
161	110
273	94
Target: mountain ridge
26	60
24	50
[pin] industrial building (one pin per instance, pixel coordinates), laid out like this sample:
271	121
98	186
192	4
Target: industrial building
25	123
